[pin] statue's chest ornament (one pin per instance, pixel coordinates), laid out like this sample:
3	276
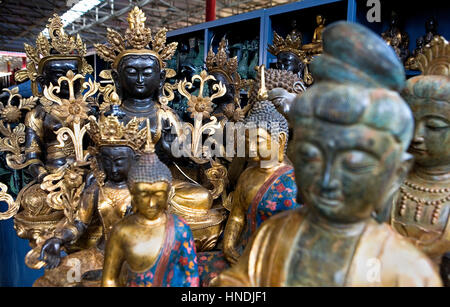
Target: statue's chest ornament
421	203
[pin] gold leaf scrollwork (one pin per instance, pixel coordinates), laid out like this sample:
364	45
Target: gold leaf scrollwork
13	207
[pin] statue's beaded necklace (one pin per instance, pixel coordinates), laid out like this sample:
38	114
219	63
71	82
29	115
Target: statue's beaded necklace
421	202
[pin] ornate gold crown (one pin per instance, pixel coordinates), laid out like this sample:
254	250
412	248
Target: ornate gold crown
292	43
108	131
221	62
138	40
435	59
65	46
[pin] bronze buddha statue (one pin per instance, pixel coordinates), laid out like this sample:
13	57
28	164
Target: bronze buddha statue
422	208
399	40
48	62
351	133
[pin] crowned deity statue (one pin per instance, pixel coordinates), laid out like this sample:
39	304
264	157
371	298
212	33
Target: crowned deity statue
224	69
290	56
50	60
265	188
104	203
422	209
150	247
351	133
139	73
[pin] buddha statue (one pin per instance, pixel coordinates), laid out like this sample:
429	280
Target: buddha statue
265	188
48	61
396	38
316	47
351	133
430	30
103	203
290	56
139	72
153	247
422	209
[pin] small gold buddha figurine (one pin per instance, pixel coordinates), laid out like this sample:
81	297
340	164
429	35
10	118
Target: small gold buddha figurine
104	203
422	209
316	47
351	136
153	247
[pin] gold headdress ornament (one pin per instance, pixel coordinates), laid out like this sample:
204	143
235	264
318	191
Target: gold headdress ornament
109	131
435	59
292	44
138	40
221	62
65	46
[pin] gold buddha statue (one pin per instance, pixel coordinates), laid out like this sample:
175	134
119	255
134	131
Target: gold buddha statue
150	247
351	135
422	209
316	45
104	203
139	71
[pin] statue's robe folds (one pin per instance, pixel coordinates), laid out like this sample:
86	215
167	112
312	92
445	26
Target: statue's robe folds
176	265
276	195
279	255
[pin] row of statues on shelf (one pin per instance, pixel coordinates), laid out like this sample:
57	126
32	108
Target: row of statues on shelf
344	183
399	40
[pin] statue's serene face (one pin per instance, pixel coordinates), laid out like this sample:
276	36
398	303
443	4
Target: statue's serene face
116	162
431	143
150	199
283	101
288	61
262	146
139	76
229	95
55	69
344	172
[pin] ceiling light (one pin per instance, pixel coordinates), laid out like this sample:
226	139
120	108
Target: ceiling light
76	12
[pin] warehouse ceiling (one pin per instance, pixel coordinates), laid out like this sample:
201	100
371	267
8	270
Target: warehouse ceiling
22	20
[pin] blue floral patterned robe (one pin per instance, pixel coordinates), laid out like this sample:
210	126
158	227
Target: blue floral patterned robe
176	265
276	195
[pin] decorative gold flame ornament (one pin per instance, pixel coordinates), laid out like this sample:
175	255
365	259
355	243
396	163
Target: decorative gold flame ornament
65	46
108	92
435	59
73	110
200	108
138	40
14	139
